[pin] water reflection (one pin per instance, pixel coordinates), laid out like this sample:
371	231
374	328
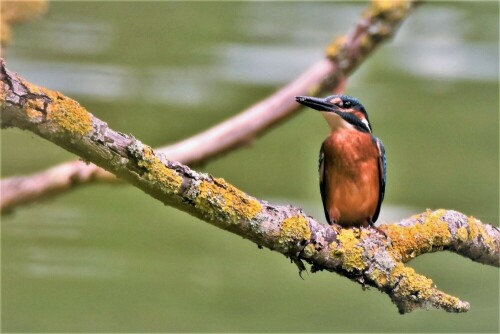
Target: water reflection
102	82
83	37
272	23
435	44
474	62
54	243
72	262
438	49
79	37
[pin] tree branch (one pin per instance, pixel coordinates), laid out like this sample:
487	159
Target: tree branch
377	24
363	255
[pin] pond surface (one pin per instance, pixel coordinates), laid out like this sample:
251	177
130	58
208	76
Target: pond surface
108	258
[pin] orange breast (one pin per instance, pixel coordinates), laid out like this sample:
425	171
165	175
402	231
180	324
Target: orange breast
352	177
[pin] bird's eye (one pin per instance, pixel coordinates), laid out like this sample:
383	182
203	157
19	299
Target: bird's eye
347	103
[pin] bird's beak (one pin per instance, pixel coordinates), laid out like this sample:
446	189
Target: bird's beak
316	103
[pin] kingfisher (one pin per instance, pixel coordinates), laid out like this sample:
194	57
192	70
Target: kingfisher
352	162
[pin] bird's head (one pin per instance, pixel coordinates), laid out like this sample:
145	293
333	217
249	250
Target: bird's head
339	111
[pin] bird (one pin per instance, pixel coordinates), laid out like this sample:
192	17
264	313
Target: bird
352	162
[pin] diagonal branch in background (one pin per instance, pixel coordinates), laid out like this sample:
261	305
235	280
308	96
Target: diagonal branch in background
378	23
363	255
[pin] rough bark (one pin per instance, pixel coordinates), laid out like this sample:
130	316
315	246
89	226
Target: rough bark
377	24
366	256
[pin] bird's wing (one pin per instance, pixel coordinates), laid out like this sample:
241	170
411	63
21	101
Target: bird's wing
322	181
382	174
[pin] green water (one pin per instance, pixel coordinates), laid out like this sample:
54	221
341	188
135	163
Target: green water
107	258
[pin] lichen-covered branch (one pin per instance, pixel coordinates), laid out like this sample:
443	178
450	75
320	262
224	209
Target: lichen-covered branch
367	256
377	24
438	230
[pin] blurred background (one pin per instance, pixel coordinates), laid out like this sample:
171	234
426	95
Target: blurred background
108	258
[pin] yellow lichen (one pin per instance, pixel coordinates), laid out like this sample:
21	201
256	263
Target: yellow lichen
294	230
413	290
476	229
392	10
32	110
384	5
220	198
451	302
334	48
473	228
63	113
439	228
157	171
349	249
3	91
367	42
411	283
310	250
68	115
462	234
378	277
336	250
410	241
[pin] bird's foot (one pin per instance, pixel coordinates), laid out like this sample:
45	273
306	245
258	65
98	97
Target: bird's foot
372	225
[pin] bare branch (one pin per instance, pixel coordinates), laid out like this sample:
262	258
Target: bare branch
378	23
20	190
366	256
